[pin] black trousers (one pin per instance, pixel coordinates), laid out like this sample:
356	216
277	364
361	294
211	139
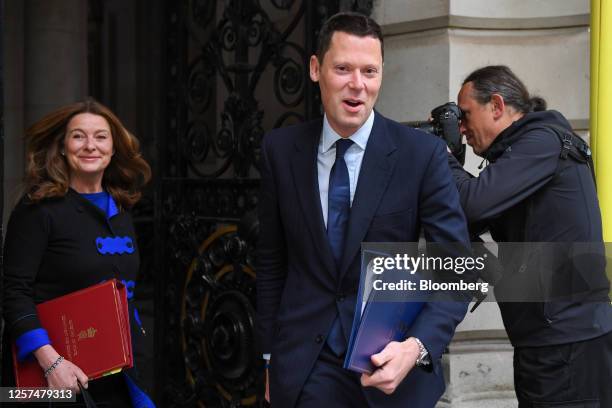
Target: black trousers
573	375
329	385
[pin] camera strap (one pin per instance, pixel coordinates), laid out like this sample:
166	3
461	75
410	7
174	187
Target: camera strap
572	145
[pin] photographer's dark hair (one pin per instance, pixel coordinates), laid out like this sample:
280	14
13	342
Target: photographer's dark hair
350	23
499	79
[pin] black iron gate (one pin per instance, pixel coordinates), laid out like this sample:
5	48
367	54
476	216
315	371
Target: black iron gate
234	69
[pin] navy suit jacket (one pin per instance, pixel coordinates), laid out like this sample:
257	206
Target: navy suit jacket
404	184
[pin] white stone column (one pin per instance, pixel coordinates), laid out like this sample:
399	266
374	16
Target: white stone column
430	47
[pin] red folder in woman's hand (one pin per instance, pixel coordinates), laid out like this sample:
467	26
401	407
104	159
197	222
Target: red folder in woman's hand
89	327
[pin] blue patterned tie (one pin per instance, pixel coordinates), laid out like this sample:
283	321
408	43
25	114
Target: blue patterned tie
338	211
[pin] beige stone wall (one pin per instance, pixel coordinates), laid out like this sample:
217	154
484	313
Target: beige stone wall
430	46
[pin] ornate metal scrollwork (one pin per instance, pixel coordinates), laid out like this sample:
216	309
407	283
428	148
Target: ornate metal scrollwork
235	69
231	63
217	318
220	200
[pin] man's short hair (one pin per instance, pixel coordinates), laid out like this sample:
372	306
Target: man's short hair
499	79
350	23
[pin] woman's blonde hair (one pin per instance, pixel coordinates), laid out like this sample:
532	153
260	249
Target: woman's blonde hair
47	171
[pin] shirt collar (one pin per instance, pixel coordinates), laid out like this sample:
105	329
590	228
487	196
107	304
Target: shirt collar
112	207
360	137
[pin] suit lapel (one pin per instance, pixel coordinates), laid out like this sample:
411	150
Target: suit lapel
376	169
306	182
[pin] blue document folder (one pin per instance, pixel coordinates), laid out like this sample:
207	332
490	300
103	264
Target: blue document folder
376	323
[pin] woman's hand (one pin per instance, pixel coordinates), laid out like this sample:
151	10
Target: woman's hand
65	375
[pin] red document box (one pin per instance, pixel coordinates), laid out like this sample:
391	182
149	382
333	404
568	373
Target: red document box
89	327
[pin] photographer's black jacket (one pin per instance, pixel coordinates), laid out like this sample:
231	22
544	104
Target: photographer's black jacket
529	194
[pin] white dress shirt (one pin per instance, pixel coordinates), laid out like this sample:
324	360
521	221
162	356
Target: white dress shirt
326	156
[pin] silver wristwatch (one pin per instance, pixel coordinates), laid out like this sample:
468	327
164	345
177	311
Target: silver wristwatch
423	359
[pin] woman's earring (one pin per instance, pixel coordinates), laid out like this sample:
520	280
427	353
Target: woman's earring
62	153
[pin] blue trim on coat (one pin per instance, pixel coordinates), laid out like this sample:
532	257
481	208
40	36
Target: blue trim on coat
100	200
138	396
104	201
31	341
114	245
112	207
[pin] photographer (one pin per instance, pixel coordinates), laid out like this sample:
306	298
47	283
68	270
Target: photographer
538	187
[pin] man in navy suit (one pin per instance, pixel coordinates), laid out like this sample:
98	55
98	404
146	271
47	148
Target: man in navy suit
326	186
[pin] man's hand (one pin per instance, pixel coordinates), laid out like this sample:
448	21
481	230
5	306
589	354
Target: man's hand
65	375
394	363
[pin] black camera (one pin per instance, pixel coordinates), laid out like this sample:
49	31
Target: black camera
445	124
